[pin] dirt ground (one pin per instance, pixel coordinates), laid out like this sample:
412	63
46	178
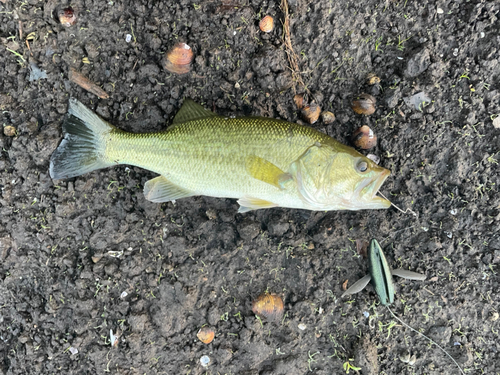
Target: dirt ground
84	256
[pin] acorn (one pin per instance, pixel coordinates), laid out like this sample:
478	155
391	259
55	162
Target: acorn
178	60
311	112
328	117
206	335
372	79
266	24
364	104
67	17
299	100
269	307
364	138
10	131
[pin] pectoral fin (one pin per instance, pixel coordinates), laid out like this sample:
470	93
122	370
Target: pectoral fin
249	203
358	286
160	189
265	171
408	274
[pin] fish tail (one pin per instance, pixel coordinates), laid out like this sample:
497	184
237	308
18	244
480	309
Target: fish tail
83	147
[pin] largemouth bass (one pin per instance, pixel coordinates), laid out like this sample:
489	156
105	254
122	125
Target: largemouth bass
260	161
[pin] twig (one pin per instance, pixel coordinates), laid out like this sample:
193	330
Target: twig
78	78
291	55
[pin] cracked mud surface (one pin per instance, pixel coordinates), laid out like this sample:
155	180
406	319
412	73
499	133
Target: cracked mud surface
70	249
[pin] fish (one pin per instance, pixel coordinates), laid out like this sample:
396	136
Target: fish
262	162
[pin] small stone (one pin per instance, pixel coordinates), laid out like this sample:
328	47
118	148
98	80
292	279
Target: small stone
439	11
302	326
372	79
205	360
73	350
405	356
373	158
206	335
128	38
9	131
496	122
328	117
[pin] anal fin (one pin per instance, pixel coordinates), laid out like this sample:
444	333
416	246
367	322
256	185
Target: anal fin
160	189
249	204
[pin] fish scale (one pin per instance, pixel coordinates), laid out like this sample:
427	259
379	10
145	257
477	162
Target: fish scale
180	153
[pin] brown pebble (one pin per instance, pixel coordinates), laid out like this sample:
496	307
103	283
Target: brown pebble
328	117
344	284
67	17
269	307
372	79
364	104
299	100
266	24
178	60
364	138
10	131
311	113
206	335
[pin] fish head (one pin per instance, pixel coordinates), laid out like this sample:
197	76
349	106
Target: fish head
339	178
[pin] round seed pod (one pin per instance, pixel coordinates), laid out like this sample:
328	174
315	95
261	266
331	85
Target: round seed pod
372	79
206	335
328	117
311	113
9	131
266	24
269	307
364	104
178	60
364	138
299	100
67	17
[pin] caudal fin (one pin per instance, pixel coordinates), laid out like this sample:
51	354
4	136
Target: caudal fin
82	149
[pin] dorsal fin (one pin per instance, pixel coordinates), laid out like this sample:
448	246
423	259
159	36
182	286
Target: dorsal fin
191	111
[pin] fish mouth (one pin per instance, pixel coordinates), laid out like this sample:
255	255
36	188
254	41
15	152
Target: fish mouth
368	192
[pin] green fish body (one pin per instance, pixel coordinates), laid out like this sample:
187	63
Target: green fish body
261	162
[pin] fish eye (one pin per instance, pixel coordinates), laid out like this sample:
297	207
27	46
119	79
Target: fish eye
362	166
